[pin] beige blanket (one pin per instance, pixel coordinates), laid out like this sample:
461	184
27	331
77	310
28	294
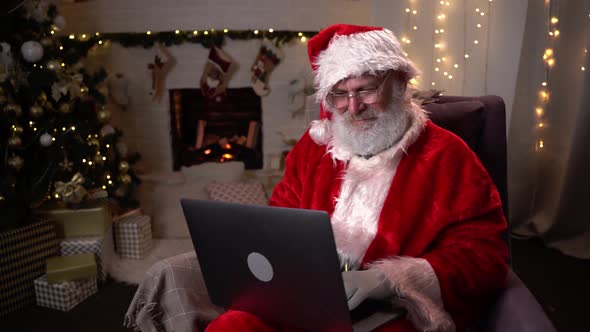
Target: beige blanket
172	297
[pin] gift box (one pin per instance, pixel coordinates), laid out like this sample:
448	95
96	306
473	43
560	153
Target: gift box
133	236
64	295
93	220
101	246
67	268
23	252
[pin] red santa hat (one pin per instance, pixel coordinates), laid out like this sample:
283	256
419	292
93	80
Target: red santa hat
342	50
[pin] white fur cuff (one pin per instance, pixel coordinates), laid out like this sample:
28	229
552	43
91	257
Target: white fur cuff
418	290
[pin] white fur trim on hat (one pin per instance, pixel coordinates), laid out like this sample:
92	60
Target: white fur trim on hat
359	53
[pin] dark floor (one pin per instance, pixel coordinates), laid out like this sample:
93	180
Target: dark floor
560	283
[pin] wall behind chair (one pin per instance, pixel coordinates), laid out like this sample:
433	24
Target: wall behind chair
146	124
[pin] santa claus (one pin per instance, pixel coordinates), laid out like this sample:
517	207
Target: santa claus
416	218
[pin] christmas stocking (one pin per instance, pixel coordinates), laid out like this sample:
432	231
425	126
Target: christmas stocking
268	57
215	75
159	71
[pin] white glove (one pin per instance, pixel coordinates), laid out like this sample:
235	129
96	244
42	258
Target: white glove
364	284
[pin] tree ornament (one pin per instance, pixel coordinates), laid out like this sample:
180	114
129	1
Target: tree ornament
16	162
65	108
46	140
32	51
103	116
66	165
59	22
159	71
36	111
123	167
125	178
54	65
267	59
107	130
71	191
14	142
214	79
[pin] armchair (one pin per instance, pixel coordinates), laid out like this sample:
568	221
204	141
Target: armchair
481	123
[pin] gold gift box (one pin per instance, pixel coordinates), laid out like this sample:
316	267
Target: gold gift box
90	221
67	268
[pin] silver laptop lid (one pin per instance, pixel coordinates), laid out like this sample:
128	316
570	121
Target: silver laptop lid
280	264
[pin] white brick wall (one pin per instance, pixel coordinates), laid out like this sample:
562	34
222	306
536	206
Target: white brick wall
146	124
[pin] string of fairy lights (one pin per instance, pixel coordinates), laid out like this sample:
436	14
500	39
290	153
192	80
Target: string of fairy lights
445	65
549	62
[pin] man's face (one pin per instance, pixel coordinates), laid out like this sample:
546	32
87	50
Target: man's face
367	128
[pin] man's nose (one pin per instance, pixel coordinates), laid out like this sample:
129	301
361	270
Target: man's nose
355	105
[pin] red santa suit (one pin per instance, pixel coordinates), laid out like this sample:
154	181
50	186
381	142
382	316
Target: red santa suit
424	212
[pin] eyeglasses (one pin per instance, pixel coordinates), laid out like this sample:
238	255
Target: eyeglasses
367	96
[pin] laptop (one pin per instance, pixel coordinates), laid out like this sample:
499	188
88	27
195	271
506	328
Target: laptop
279	264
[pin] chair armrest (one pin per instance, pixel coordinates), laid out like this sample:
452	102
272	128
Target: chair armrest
517	310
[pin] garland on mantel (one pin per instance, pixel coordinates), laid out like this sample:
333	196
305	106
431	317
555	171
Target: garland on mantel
81	43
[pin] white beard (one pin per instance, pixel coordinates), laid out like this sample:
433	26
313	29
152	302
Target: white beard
367	139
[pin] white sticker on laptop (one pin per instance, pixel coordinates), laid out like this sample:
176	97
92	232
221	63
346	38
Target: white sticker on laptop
260	267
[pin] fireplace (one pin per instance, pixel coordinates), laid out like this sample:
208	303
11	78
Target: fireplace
205	130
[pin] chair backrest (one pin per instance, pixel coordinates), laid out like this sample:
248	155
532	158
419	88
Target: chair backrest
481	123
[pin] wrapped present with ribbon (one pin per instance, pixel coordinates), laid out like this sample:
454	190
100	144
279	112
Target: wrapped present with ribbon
23	252
133	236
68	268
64	295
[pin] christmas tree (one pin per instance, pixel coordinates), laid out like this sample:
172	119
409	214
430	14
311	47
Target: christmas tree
57	146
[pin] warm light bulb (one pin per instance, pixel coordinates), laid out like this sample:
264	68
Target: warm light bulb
414	12
539	111
445	73
63	64
482	14
478	25
436	31
541	144
450	77
148	33
303	39
415	27
433	84
225	30
438	60
476	42
554	20
195	32
477	10
407	10
583	68
551	62
72	36
104	187
100	42
544	84
556	33
52	32
271	30
255	32
436	69
83	36
466	56
456	66
541	125
206	32
176	31
300	34
61	48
